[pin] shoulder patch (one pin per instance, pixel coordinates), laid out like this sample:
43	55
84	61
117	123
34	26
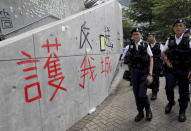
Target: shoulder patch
131	46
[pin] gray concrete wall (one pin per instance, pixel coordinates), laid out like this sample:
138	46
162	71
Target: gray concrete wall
18	14
43	21
26	103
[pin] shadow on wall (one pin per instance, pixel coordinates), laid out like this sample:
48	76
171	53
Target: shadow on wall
2	37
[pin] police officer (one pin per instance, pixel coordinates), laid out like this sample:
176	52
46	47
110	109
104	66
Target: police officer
188	32
141	60
176	54
125	60
124	55
156	49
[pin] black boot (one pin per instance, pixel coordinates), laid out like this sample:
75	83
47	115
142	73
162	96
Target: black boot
148	114
154	96
182	116
139	116
169	107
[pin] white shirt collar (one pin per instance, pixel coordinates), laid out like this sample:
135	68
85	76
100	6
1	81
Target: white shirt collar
178	40
139	43
180	37
152	45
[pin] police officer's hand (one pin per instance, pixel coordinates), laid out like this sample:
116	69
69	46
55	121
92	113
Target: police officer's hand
189	76
121	62
169	65
149	79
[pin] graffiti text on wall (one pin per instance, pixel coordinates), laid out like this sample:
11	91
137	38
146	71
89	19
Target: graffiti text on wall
84	36
107	35
89	68
5	18
36	84
85	70
54	69
106	64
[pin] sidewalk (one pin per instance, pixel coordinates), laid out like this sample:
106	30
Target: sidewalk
117	113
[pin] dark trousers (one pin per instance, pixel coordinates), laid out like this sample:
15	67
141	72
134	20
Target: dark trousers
178	76
156	72
138	79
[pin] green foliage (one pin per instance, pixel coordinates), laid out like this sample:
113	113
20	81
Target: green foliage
159	15
128	24
141	11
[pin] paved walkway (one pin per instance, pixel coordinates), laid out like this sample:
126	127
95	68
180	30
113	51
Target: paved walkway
117	113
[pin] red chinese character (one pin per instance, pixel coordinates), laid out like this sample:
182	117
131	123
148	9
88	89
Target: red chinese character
53	66
85	70
51	45
30	77
54	69
26	92
106	65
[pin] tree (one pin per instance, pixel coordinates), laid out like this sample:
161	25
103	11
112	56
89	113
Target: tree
141	11
165	12
128	24
159	15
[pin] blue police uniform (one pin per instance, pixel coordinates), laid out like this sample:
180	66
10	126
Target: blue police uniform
126	75
125	53
138	55
178	52
156	49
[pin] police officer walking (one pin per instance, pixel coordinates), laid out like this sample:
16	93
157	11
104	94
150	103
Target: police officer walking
141	61
176	54
124	59
156	49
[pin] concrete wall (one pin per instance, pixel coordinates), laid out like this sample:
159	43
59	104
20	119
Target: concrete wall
35	24
17	14
25	95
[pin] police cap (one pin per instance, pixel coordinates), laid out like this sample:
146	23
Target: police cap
188	30
137	29
152	33
179	21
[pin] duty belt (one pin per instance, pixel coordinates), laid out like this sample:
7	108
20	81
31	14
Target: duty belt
138	66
